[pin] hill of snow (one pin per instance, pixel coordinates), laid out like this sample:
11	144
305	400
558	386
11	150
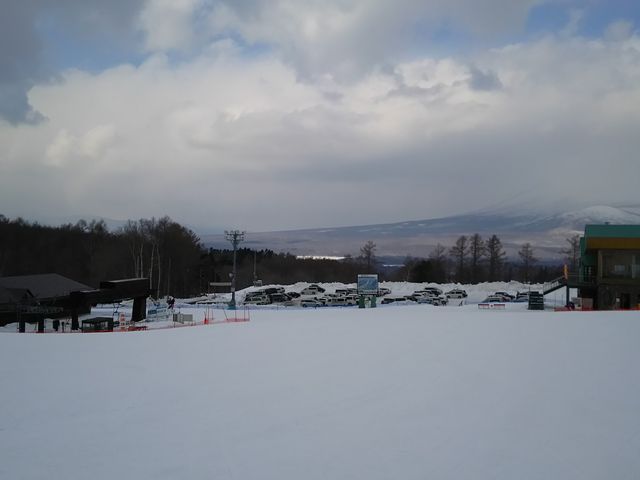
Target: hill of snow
409	392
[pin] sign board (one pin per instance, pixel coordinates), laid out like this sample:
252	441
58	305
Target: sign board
219	284
367	284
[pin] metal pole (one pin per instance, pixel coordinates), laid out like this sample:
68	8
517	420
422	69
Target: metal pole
255	277
235	237
233	278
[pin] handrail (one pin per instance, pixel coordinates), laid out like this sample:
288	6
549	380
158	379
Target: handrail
553	285
572	279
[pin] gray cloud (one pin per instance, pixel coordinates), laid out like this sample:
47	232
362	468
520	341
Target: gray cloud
346	38
22	46
417	92
484	80
20	57
238	139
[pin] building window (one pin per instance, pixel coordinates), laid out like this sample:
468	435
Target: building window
621	265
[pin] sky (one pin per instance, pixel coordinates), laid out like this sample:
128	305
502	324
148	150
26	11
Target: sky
299	114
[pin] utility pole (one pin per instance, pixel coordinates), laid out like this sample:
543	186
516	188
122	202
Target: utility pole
235	237
255	277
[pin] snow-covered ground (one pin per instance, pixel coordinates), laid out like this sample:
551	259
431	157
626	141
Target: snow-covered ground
410	392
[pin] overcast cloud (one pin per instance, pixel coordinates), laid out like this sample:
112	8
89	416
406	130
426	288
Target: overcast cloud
275	115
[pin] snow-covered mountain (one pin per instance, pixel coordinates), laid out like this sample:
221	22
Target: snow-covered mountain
546	231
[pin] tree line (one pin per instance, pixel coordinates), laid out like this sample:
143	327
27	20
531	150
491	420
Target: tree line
473	259
172	257
159	249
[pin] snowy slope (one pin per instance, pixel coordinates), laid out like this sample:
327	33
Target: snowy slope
406	392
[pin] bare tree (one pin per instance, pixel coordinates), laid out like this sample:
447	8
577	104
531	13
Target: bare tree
477	251
528	260
135	241
459	254
572	253
495	255
438	257
368	254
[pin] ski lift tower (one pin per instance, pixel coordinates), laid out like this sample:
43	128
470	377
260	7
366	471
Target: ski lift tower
235	237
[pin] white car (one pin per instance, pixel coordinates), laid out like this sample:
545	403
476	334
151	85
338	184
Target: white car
394	299
310	302
457	293
440	300
494	299
352	300
337	302
430	299
257	300
312	290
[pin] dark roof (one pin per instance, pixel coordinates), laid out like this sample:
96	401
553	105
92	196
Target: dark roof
47	285
14	295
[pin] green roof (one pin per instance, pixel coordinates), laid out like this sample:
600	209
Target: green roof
612	231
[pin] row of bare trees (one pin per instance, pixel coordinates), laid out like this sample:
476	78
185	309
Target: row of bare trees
163	251
160	249
473	259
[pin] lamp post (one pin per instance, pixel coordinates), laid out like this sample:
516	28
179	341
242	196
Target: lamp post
235	237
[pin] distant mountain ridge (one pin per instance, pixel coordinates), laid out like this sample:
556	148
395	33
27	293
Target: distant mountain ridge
546	232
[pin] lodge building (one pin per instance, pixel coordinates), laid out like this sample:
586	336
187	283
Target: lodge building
609	276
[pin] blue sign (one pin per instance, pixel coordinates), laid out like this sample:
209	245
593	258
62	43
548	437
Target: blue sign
367	284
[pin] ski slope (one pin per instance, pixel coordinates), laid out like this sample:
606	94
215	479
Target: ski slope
410	392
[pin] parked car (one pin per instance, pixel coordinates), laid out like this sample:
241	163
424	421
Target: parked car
382	291
258	294
279	297
434	290
257	300
310	302
393	299
272	290
506	295
457	293
440	300
323	300
422	299
340	301
430	299
312	290
494	299
352	299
